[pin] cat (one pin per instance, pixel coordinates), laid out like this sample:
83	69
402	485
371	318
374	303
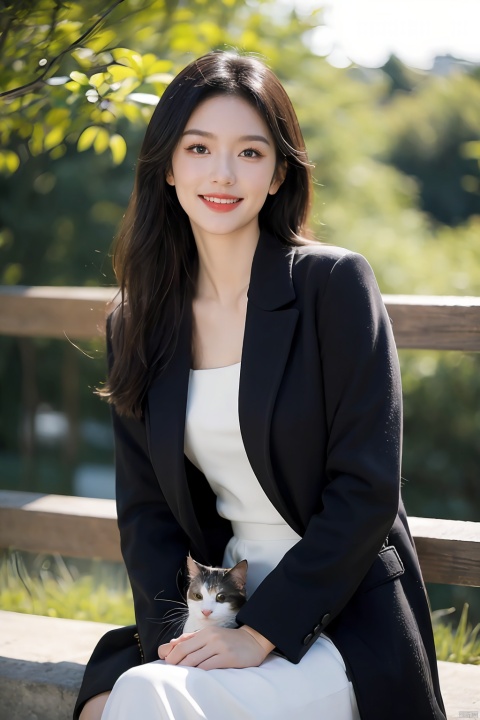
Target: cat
214	596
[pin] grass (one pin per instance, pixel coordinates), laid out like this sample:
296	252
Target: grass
99	591
52	586
460	644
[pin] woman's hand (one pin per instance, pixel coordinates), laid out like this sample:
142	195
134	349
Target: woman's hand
217	647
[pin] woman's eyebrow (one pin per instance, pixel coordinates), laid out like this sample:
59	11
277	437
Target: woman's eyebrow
203	133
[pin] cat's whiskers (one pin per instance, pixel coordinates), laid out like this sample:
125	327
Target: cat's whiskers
177	602
177	611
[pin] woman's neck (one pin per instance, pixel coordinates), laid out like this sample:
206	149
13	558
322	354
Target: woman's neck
225	264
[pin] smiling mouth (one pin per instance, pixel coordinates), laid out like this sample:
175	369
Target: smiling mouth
220	201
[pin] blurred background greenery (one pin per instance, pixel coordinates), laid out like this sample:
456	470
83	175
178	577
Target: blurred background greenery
397	178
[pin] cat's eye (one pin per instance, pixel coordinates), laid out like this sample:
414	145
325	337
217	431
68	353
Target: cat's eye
220	598
198	596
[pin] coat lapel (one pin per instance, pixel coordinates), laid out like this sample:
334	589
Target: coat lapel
165	420
269	330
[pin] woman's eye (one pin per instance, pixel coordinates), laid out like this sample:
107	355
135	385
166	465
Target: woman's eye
250	153
198	149
198	596
220	598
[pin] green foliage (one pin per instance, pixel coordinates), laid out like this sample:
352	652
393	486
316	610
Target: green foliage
58	217
456	645
353	131
51	586
72	74
441	423
435	137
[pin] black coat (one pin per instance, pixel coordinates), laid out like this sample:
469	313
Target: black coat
320	415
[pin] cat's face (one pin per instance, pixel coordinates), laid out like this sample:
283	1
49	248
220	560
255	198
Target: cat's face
215	595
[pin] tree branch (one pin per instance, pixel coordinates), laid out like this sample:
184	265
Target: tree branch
40	81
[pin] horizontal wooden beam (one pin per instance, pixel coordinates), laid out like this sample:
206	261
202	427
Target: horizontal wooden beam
57	312
435	322
422	322
449	550
71	526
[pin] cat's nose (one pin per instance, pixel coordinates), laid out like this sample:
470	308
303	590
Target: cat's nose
207	612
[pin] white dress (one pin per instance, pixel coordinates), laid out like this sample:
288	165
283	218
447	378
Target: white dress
317	688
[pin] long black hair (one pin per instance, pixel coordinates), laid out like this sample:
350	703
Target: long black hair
155	257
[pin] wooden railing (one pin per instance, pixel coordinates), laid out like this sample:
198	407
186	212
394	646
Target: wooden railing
421	322
449	551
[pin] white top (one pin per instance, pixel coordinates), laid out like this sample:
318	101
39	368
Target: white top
213	443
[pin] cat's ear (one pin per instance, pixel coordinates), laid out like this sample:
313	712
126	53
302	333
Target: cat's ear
193	567
239	574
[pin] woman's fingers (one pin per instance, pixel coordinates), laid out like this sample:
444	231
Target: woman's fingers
166	648
182	638
197	658
181	650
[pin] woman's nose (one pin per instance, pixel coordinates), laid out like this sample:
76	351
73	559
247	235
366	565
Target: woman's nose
223	172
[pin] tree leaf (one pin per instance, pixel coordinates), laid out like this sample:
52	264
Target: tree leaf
87	138
72	87
107	117
97	79
35	144
57	115
101	40
128	57
79	77
148	60
101	142
54	137
9	161
118	146
120	72
160	66
58	151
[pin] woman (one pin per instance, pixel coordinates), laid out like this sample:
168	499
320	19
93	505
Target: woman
256	405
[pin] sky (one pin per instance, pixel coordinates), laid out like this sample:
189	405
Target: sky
368	31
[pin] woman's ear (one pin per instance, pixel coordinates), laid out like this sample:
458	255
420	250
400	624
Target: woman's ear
279	176
169	177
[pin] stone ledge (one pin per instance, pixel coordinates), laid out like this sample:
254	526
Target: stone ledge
460	686
42	662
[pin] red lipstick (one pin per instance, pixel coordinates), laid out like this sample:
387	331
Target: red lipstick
221	202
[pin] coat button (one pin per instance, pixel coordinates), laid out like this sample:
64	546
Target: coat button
307	638
325	619
317	629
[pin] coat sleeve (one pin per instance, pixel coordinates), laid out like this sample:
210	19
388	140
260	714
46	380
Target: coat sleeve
315	580
153	544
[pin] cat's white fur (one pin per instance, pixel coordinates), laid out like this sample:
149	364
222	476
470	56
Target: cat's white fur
221	612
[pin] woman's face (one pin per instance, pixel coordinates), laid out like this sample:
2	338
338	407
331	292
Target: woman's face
223	168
